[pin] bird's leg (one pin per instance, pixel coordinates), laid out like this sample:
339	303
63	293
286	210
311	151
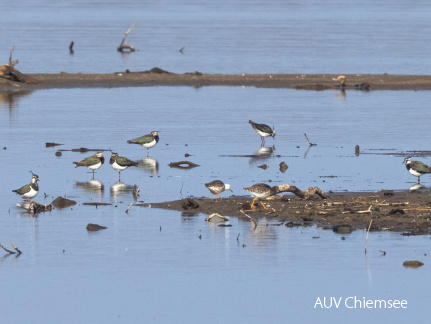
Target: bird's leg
264	207
419	180
215	199
93	174
119	176
252	204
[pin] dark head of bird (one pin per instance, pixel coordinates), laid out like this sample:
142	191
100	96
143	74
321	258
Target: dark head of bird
407	160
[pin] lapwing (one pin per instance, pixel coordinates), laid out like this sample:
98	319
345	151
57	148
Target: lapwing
260	191
216	187
416	168
147	141
120	163
263	130
29	190
92	162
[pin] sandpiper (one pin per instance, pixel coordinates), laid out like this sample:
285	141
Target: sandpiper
263	130
92	162
120	163
30	190
147	141
216	187
260	191
416	168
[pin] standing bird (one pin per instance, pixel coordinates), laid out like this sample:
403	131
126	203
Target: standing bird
147	141
120	163
30	190
217	187
92	162
263	130
416	168
261	191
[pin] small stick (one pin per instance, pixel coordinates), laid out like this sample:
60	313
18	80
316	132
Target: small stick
365	211
237	238
8	251
309	142
253	222
130	206
71	47
15	248
366	239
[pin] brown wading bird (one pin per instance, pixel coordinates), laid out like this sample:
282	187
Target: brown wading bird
216	187
260	191
416	168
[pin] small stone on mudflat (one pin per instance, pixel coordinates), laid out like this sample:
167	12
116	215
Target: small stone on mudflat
94	227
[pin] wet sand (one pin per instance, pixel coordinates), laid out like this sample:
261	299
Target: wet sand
159	77
403	211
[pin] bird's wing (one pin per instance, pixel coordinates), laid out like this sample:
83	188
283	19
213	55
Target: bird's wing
421	167
123	161
91	160
141	140
24	189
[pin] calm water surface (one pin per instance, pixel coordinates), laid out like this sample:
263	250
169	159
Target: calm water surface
150	265
245	36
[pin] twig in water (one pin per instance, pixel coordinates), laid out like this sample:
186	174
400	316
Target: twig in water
8	251
130	206
253	222
309	142
15	247
366	239
71	47
237	238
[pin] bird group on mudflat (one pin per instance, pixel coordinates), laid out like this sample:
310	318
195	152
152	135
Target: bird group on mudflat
260	191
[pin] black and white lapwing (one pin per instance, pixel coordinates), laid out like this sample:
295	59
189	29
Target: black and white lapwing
147	141
29	190
261	191
92	162
416	168
216	187
263	130
120	163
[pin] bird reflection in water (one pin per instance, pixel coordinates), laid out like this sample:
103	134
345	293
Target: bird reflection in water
416	187
263	153
149	164
120	188
92	185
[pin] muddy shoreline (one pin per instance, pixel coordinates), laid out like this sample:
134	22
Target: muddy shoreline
159	77
401	211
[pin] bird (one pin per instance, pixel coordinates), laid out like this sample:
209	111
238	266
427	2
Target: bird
216	187
120	163
92	162
263	130
147	141
29	190
416	168
261	191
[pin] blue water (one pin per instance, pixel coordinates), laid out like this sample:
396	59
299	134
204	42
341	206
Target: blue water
150	265
224	37
161	266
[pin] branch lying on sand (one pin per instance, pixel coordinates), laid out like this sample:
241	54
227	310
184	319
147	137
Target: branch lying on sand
9	72
307	194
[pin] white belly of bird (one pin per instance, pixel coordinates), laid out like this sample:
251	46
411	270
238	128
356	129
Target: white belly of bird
262	133
32	193
118	167
95	166
415	173
260	195
149	145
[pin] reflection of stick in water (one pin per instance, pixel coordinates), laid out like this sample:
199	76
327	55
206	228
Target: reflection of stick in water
124	47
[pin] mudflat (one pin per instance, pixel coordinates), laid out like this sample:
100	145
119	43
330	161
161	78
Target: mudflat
396	211
160	77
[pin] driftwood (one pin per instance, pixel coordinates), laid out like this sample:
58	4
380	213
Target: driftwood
307	194
9	251
9	72
124	47
34	207
71	47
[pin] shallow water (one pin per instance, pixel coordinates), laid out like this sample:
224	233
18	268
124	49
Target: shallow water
246	36
151	265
